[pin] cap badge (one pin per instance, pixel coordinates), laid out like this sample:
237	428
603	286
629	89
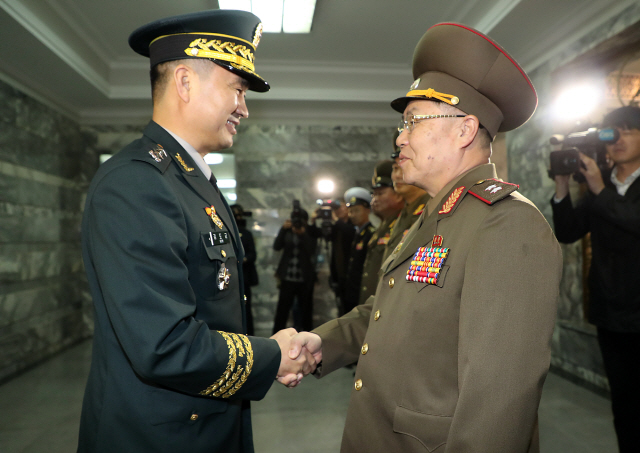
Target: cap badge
211	212
426	265
415	84
257	35
447	207
352	200
158	153
223	278
183	163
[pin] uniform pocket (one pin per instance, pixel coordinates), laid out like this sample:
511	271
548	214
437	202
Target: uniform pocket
430	430
441	279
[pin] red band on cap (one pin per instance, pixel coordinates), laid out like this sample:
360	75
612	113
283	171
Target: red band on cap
526	77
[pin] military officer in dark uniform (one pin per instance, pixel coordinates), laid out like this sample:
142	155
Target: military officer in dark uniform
455	346
415	200
359	206
386	204
172	369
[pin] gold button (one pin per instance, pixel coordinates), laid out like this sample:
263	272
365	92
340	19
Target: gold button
364	288
365	348
358	384
194	417
392	281
377	315
224	254
366	274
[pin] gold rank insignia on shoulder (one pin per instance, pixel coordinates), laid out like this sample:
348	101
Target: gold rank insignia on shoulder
158	153
426	265
448	205
211	212
492	190
183	163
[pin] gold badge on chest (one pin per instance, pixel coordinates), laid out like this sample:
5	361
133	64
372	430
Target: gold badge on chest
211	212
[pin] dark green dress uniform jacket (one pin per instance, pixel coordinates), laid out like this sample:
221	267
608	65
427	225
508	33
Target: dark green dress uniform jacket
357	256
456	366
409	214
171	369
375	251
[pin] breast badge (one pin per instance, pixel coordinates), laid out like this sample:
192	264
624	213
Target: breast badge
211	212
426	264
223	278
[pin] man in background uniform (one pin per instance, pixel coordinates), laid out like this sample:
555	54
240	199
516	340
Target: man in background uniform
359	206
415	200
172	368
386	204
454	348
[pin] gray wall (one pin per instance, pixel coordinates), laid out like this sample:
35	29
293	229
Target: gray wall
575	350
44	173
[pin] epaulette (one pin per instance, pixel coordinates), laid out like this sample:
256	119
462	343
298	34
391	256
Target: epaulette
419	210
155	156
492	190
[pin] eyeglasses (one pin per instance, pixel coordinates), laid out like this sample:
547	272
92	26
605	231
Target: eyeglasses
410	124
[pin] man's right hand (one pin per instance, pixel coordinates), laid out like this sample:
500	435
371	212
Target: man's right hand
562	186
293	367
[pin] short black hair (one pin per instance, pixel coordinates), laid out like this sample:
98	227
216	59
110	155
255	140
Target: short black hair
625	118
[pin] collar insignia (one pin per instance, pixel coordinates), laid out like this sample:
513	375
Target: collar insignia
158	153
451	201
183	163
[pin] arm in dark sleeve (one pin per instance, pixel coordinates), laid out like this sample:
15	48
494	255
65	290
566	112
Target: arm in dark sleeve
278	244
249	247
622	211
570	223
137	243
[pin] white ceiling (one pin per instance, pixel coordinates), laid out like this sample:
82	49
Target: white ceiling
73	54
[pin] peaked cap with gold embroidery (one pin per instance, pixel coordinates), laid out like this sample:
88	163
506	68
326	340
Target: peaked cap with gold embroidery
226	37
462	67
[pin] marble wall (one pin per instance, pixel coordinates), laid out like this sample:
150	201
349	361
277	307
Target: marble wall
575	351
44	173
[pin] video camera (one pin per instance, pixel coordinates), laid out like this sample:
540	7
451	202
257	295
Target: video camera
325	214
590	142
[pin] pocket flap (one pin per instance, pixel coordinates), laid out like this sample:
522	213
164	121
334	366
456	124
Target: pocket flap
430	430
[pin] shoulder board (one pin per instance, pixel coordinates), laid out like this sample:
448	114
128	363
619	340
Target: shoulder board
393	223
419	210
492	190
156	156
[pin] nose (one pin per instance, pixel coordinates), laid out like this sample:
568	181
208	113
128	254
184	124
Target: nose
402	139
242	111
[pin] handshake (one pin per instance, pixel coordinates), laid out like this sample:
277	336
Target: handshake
300	355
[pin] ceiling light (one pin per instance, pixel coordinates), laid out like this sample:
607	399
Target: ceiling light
325	186
226	183
213	158
290	16
577	101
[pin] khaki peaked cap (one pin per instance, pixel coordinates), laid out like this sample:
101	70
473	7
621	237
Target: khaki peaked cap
464	68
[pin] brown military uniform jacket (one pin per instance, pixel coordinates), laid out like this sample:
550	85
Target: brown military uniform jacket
409	214
375	252
456	366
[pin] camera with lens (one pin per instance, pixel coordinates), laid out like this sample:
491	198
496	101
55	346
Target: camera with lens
590	142
297	215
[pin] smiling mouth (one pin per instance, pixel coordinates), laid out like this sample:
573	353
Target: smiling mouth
233	125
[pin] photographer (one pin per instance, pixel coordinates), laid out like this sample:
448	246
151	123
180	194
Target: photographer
296	269
610	211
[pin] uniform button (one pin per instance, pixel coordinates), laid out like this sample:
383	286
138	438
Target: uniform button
224	254
365	348
392	281
377	315
366	274
358	384
194	417
364	288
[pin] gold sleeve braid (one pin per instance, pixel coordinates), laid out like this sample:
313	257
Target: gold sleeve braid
224	387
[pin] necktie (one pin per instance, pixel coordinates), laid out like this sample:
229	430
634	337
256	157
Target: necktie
214	182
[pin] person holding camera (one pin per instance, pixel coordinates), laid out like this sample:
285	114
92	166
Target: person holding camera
248	262
385	204
610	211
296	270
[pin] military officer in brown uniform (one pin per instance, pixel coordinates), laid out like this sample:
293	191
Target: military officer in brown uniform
415	201
386	204
454	348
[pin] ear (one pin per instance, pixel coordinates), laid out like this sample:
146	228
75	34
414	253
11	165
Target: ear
184	79
468	131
